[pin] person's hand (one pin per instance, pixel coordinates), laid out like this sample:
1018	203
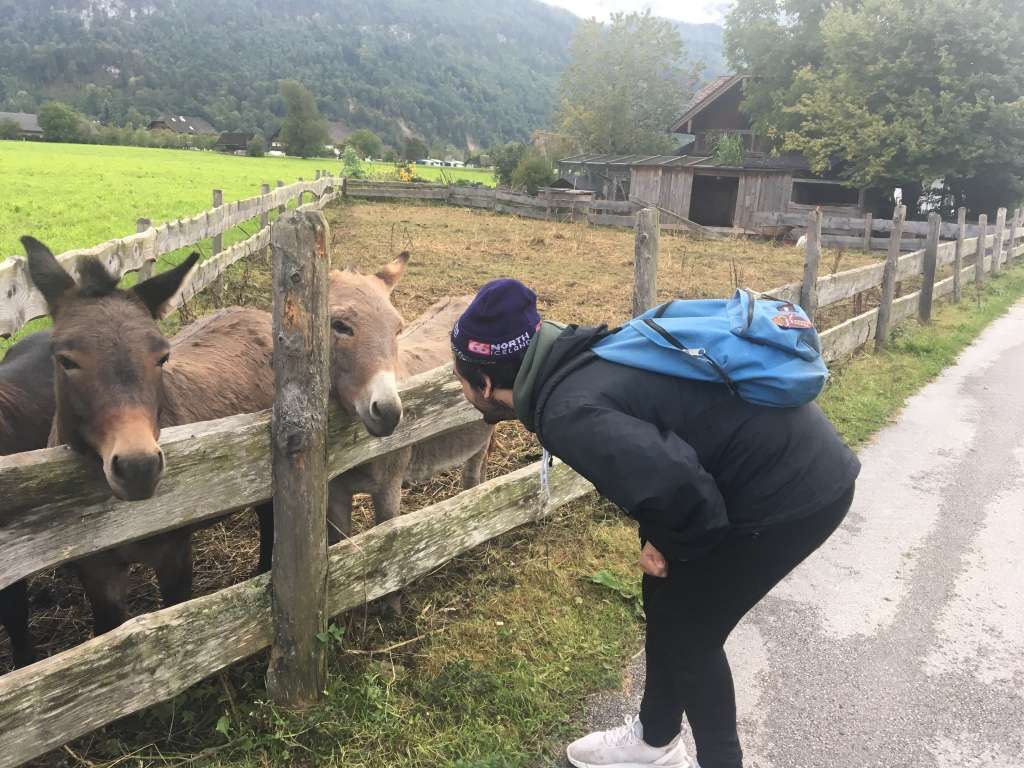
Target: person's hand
653	562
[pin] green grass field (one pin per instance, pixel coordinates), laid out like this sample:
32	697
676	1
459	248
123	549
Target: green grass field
78	195
480	175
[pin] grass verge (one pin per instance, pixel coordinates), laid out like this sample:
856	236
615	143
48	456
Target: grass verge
497	650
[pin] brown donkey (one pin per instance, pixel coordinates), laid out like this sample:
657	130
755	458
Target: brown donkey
26	410
364	322
118	381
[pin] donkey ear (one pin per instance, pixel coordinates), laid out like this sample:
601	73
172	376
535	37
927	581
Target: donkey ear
48	275
392	273
157	292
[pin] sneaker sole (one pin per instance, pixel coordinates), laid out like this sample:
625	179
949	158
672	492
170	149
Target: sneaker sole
580	764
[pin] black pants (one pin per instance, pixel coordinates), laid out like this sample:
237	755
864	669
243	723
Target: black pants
691	613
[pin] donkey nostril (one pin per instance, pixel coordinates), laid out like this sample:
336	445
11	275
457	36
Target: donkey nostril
160	460
115	464
375	410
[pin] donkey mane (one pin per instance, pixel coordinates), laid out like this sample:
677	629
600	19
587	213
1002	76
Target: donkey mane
94	281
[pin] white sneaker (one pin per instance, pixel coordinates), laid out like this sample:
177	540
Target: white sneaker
624	747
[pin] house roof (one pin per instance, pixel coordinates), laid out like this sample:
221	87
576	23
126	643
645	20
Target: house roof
27	122
705	97
751	162
185	124
234	138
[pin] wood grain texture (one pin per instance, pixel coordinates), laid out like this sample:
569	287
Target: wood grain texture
298	434
979	260
58	507
153	657
645	264
997	247
931	260
812	255
890	274
958	255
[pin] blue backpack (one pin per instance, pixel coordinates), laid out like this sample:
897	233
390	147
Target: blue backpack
765	350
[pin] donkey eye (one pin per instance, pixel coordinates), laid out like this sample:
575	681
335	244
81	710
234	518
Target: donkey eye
341	328
163	360
67	363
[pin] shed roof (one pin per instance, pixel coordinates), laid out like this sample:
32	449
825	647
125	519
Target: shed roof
705	97
27	122
752	162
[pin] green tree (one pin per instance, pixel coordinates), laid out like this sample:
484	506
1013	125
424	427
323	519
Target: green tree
366	143
256	146
304	131
60	122
895	94
389	155
506	159
9	129
533	172
625	83
414	149
351	165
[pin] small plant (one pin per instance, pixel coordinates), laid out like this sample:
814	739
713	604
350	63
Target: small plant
729	150
351	165
333	636
256	147
628	591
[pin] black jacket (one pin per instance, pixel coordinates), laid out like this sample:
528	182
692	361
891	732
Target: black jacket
687	459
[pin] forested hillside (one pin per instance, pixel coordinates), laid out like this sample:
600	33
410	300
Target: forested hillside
465	72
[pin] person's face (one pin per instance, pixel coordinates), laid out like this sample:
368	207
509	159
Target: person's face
482	398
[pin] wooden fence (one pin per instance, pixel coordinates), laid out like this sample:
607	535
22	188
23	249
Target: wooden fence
58	508
816	292
20	302
863	233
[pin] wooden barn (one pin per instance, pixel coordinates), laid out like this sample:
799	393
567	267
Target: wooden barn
696	186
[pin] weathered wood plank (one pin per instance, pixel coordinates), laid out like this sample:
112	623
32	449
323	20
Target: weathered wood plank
845	338
645	260
997	248
156	656
931	257
854	225
57	506
979	260
958	256
298	433
812	255
890	275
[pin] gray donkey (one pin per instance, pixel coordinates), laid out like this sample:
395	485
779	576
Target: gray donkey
422	346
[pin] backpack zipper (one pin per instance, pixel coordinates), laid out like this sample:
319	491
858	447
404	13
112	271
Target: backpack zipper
701	353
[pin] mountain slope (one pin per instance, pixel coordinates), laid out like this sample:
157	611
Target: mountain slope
465	72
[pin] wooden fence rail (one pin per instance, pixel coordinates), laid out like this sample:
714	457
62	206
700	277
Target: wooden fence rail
21	302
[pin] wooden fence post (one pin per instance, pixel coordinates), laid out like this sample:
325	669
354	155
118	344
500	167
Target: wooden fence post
958	258
979	259
264	217
931	256
867	232
645	267
1014	224
812	255
997	246
295	676
892	264
146	270
218	239
283	206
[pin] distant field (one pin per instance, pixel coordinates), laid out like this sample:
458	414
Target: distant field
77	195
482	175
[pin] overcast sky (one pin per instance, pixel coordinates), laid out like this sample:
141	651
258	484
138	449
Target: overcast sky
685	10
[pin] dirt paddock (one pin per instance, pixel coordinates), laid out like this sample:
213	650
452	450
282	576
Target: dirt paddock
582	274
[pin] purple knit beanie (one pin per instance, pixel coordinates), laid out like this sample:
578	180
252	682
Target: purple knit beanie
499	325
